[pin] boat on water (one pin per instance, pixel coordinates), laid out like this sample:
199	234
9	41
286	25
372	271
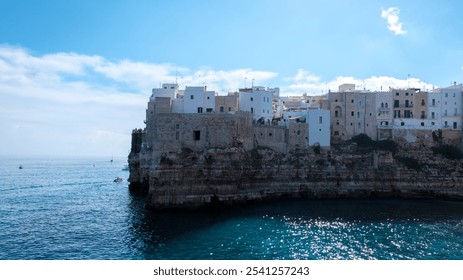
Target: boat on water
118	180
20	167
125	168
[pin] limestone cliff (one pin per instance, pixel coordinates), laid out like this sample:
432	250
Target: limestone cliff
190	179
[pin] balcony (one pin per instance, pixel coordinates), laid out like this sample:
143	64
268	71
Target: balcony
385	110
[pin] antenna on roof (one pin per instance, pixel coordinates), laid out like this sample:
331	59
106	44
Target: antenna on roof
176	80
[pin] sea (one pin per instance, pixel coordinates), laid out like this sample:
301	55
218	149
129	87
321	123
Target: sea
71	209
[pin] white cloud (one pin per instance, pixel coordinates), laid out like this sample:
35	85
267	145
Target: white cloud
67	103
392	16
305	82
225	81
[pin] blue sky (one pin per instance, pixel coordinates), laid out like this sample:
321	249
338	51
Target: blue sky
78	74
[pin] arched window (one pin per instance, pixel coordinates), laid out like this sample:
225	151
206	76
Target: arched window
337	112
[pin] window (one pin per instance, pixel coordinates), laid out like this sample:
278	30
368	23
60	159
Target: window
336	133
445	113
423	115
406	94
386	105
177	135
455	111
433	123
252	98
454	125
200	110
382	104
358	115
209	110
396	103
229	109
252	110
352	101
402	124
407	104
336	114
360	103
454	94
196	135
422	102
221	109
359	125
177	126
352	113
446	124
337	122
270	134
446	95
320	119
397	94
407	114
433	115
434	102
422	124
208	98
192	97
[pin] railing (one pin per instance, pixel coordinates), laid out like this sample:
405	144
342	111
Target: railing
382	126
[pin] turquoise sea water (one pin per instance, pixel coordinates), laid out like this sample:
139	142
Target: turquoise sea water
72	209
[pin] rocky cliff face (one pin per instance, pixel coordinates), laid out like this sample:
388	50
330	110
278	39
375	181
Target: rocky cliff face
190	179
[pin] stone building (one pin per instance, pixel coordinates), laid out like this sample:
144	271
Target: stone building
384	118
352	113
227	103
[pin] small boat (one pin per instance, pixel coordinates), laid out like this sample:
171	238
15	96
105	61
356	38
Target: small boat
118	180
125	168
20	167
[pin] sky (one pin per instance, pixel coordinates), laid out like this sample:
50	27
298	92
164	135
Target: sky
76	75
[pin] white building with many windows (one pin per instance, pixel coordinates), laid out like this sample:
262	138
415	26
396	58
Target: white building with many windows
451	104
434	109
258	101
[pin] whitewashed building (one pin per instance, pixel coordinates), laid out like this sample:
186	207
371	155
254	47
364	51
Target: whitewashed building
451	104
434	109
197	100
319	122
166	90
258	101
